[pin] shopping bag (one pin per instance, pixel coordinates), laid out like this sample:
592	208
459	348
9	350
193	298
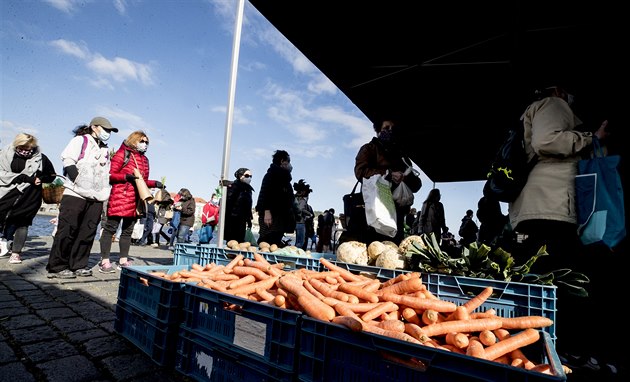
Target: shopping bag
138	230
380	211
249	236
205	234
402	195
599	199
354	211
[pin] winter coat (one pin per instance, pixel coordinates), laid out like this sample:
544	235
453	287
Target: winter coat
124	194
93	167
276	195
432	218
187	216
550	189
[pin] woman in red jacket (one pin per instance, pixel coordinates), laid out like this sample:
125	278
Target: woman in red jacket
123	198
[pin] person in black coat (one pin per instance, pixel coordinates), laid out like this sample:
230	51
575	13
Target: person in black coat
238	208
276	202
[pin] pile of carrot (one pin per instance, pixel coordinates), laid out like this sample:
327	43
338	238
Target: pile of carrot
401	308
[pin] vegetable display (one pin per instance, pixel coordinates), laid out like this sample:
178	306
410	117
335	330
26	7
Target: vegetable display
401	308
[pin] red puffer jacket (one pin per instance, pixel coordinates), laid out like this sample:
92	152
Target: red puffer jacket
122	199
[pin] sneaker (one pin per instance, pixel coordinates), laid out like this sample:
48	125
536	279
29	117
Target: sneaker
65	274
128	263
4	248
171	248
106	268
155	245
15	259
85	272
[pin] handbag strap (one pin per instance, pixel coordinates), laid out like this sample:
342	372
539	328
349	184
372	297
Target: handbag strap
355	187
597	148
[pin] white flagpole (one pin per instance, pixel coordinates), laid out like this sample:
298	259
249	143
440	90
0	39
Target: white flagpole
238	25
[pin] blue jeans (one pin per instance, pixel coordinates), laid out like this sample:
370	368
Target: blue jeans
182	233
300	233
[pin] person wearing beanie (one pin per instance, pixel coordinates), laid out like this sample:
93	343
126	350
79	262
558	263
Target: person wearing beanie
238	207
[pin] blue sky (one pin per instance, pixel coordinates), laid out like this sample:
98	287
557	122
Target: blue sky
163	66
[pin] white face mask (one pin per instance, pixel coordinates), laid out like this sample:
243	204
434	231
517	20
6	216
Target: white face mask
246	180
142	147
289	167
103	135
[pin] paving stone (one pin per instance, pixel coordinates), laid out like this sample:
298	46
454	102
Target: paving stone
46	351
47	304
68	325
31	293
15	371
76	368
10	304
53	313
130	367
19	285
82	336
71	298
106	346
14	311
25	321
6	353
6	297
30	335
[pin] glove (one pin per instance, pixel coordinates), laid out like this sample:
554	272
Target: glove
130	178
23	178
71	172
158	184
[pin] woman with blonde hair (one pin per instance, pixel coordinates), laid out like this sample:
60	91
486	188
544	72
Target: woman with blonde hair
121	206
23	169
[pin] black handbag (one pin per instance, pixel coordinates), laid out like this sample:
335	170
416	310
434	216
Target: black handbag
354	211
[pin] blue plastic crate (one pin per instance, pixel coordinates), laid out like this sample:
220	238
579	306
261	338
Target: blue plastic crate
153	337
256	330
202	254
204	360
330	352
160	298
293	262
509	299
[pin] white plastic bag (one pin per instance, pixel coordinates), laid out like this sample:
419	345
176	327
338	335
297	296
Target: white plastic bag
138	230
380	211
402	195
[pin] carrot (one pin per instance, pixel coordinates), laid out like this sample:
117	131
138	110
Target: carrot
251	288
475	349
430	316
223	277
234	262
244	271
487	338
362	307
460	313
264	294
429	295
261	258
544	368
312	306
352	299
242	281
525	322
372	286
516	354
414	284
351	323
419	303
394	315
517	341
416	332
309	287
279	301
209	266
331	280
453	348
389	333
343	310
393	325
345	274
399	278
410	315
360	293
385	307
463	326
487	314
459	340
327	291
197	267
478	300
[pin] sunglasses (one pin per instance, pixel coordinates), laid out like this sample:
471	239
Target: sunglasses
248	175
144	141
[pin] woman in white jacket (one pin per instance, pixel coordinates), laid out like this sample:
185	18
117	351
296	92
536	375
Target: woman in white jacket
86	165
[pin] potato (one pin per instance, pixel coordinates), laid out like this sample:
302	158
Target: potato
273	247
245	245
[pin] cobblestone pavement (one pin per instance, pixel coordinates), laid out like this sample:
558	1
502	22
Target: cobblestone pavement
63	330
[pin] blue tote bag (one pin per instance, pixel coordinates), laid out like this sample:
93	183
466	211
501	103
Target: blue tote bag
599	199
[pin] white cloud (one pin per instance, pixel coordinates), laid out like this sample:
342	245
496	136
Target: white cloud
71	48
121	6
239	117
125	121
121	69
67	6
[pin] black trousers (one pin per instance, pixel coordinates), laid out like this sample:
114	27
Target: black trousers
78	220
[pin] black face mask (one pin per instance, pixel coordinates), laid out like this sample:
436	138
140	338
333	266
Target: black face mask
386	136
25	153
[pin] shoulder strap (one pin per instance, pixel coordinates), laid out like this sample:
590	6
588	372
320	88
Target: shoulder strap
83	146
126	160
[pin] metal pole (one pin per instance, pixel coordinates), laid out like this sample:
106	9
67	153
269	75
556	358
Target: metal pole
238	25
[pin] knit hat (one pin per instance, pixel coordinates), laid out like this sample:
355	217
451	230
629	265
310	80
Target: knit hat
240	172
